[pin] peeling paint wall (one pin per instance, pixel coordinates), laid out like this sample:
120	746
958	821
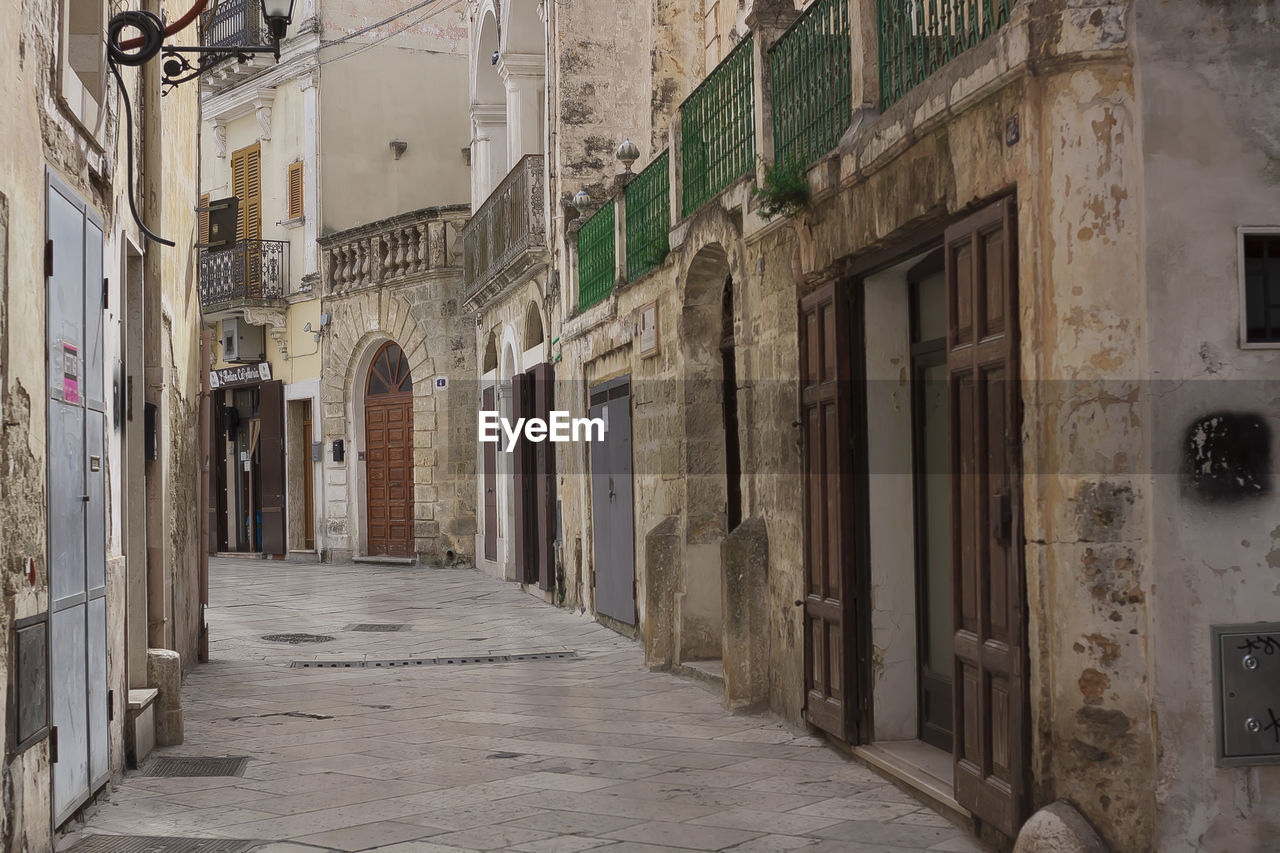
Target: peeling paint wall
43	130
1215	560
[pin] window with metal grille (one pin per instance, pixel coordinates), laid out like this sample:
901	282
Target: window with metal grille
717	129
648	216
917	37
295	190
809	71
1261	256
597	257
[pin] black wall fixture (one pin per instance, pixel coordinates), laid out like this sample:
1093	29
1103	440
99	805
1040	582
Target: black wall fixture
1226	456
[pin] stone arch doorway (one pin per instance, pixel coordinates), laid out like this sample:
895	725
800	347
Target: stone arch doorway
388	440
713	501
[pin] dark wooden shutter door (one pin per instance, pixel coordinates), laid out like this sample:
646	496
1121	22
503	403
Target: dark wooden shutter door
490	484
830	606
990	638
271	465
545	476
215	433
522	487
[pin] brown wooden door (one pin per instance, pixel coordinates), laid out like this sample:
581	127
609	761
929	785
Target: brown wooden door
522	464
990	710
544	469
271	466
832	603
388	422
308	486
490	484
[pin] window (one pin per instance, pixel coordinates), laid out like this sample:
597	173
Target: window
83	59
1260	269
295	190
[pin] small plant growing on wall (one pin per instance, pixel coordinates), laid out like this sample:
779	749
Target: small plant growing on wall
784	191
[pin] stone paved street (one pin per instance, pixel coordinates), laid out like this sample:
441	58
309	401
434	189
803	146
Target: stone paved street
549	756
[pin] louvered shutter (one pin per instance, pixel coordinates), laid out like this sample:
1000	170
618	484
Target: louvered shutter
295	190
204	220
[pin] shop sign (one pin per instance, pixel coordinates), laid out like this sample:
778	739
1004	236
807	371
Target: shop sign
244	374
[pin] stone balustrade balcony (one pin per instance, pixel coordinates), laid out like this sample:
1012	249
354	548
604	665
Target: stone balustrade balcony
506	239
398	249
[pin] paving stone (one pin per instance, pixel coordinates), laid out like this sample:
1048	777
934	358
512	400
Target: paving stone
592	753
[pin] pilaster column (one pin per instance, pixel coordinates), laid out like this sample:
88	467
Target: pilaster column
488	149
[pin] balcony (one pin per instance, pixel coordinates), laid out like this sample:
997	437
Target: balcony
251	274
506	240
401	249
238	23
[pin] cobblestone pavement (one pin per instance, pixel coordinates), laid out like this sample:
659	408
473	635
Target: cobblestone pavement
550	756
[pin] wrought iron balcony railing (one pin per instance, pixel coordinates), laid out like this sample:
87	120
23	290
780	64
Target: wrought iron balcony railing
717	129
917	38
506	237
235	22
597	257
251	269
812	94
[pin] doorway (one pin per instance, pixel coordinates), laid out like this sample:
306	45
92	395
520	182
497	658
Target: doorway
613	526
388	421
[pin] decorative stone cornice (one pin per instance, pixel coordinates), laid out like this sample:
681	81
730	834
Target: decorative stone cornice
521	65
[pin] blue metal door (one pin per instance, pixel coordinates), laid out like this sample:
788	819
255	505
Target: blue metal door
76	510
613	525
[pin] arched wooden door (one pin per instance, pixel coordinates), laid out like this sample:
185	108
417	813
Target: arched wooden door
388	435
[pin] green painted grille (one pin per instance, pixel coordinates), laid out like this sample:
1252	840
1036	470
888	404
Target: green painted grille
809	70
917	37
717	129
648	216
597	257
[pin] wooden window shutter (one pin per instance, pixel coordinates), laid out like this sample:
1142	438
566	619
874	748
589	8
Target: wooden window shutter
295	190
989	704
253	195
204	221
239	163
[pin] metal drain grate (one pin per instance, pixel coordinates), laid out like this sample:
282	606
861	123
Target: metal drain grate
181	766
377	627
159	844
296	639
442	661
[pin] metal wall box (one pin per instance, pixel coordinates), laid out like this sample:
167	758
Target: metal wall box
317	451
1246	677
30	683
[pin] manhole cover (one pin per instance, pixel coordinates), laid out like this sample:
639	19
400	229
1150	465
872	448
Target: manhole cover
158	844
296	639
441	661
377	627
187	766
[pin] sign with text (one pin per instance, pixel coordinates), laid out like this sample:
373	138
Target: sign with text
245	374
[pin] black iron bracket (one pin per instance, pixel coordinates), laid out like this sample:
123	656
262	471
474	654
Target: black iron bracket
180	64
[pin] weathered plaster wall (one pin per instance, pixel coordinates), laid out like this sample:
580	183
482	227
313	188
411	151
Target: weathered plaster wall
1215	561
42	131
382	94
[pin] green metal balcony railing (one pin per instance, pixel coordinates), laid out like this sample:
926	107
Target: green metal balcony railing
809	68
917	37
597	257
717	129
648	199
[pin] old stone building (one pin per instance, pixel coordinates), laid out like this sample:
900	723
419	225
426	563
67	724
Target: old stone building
100	366
346	264
937	347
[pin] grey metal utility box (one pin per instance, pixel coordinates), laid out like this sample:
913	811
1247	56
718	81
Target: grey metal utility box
1246	677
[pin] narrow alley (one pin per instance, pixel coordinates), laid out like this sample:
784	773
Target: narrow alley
589	752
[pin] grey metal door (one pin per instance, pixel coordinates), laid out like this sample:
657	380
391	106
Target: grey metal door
76	511
613	534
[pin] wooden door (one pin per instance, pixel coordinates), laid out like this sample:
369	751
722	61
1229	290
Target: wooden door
490	484
544	470
271	468
388	419
829	418
990	706
522	457
308	486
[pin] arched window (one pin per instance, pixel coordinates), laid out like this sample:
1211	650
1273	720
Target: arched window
532	326
389	373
